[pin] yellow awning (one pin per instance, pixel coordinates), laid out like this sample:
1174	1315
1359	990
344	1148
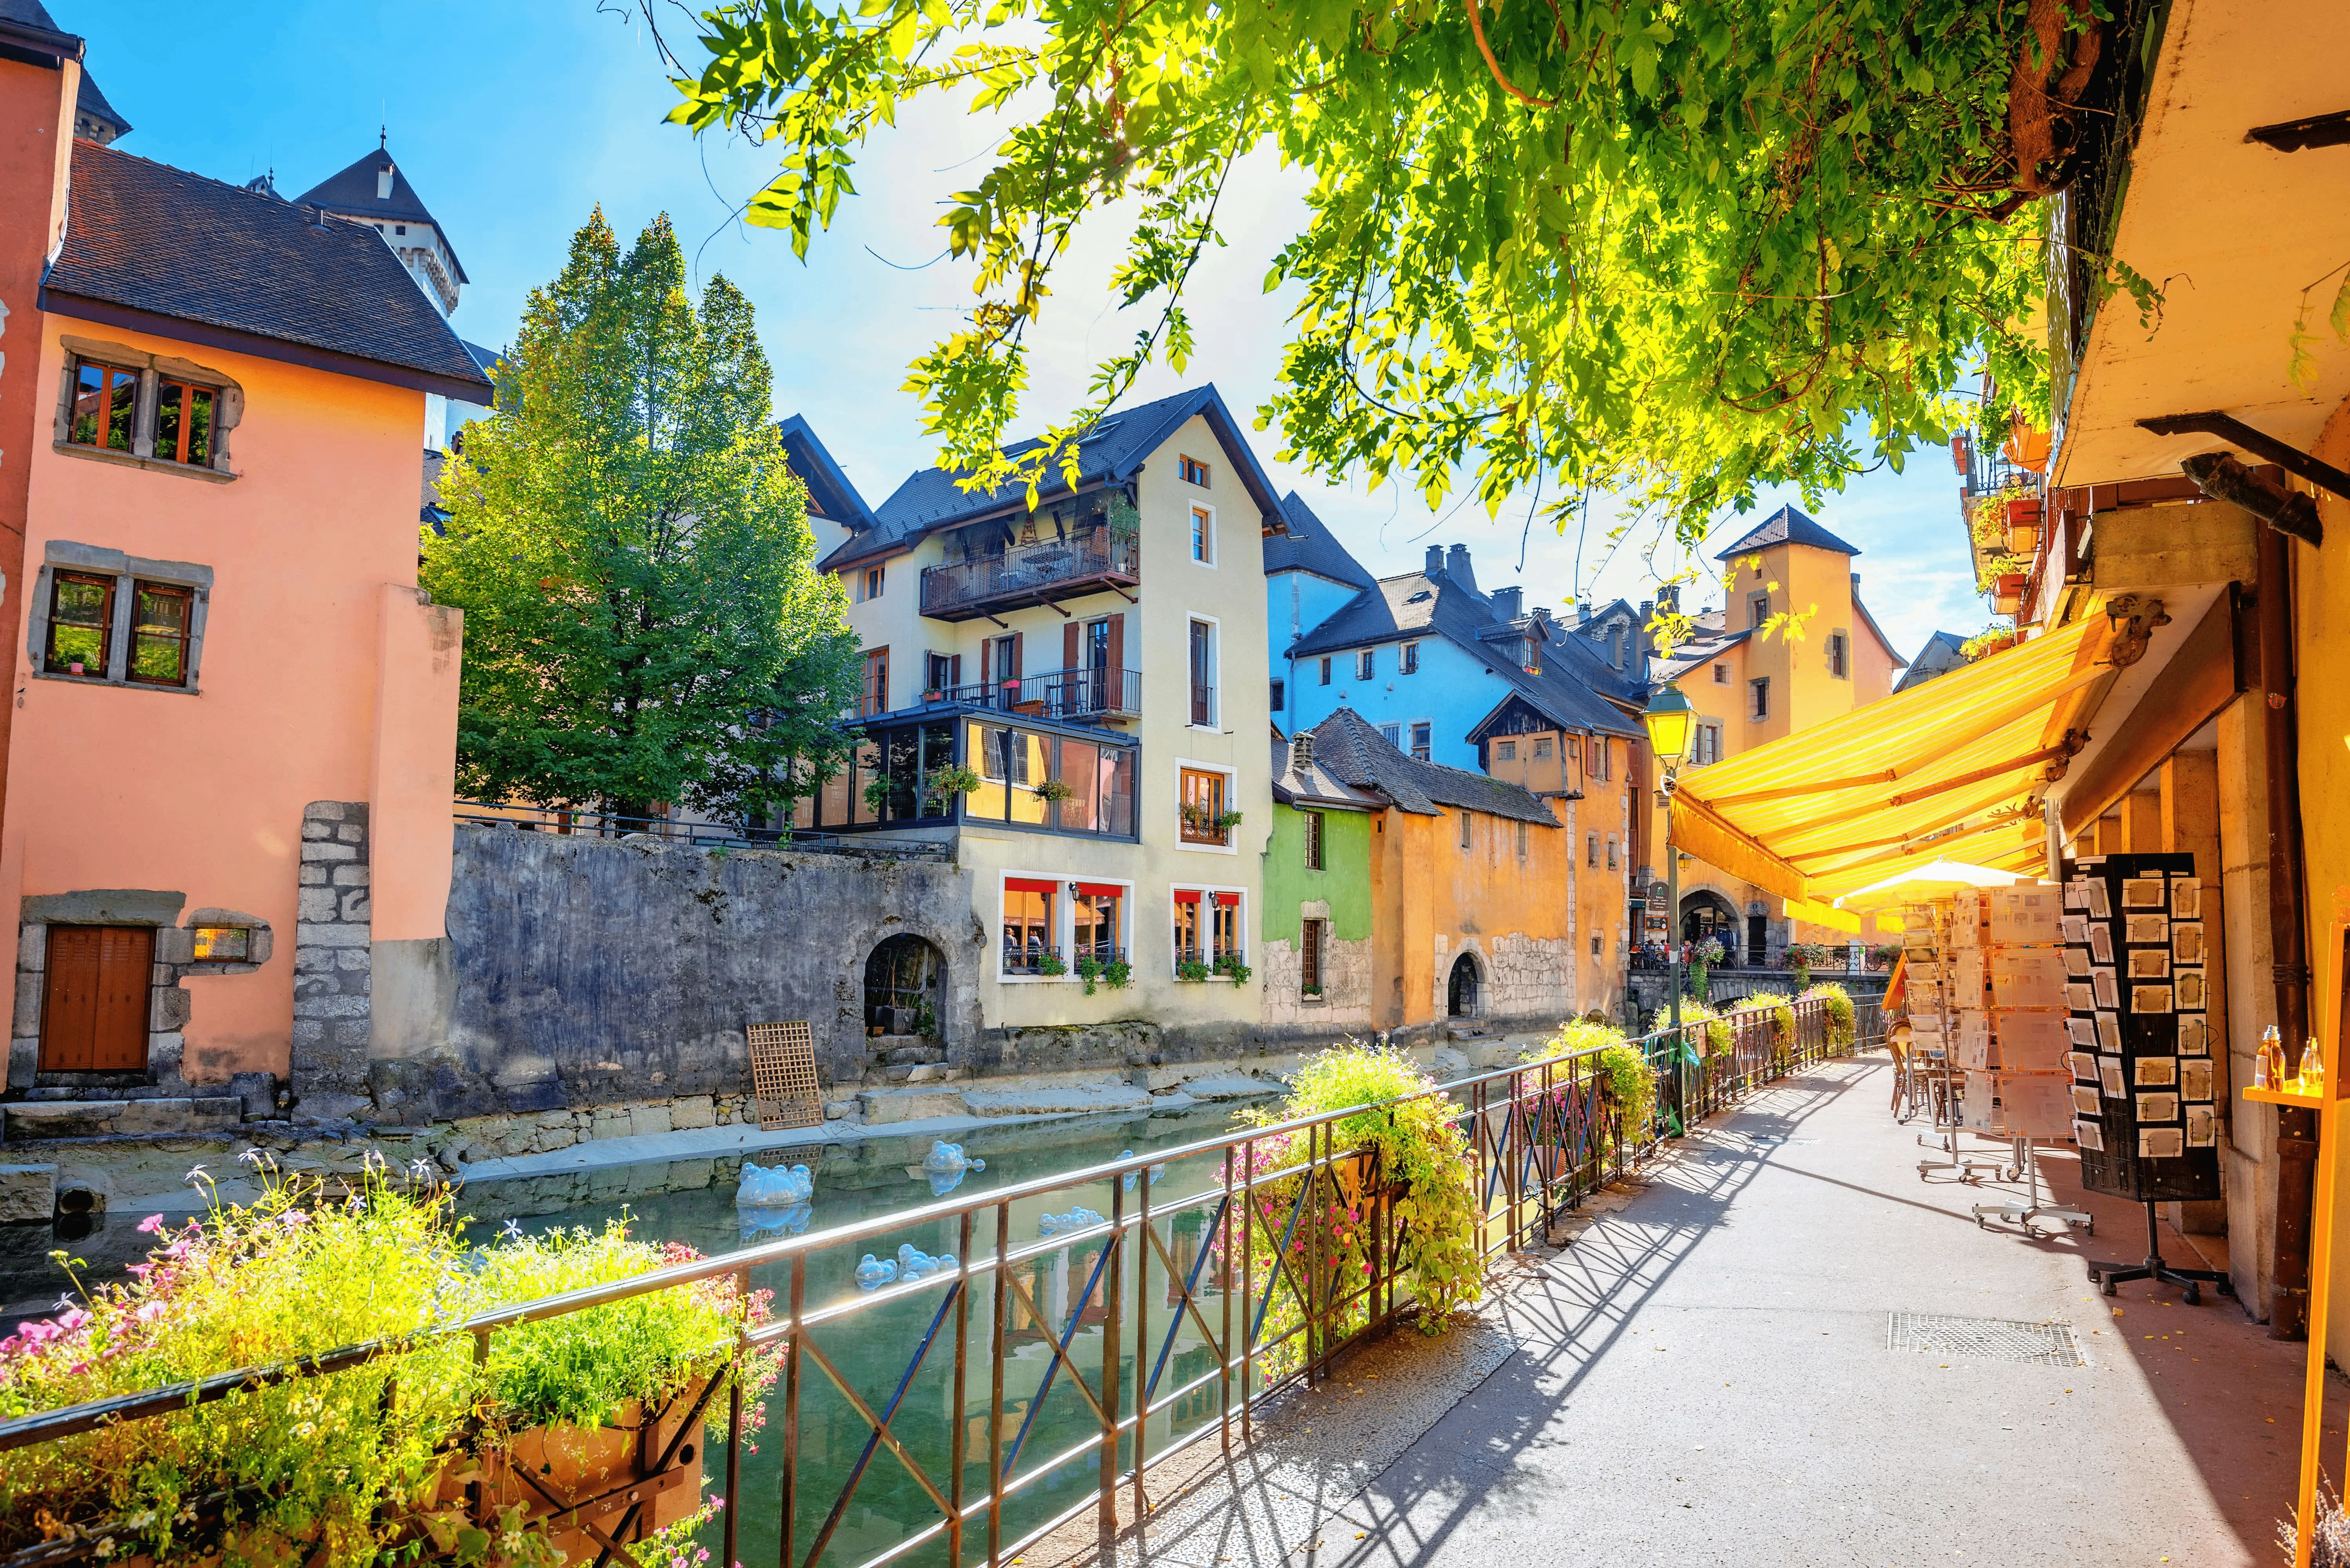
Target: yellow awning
1823	915
1952	769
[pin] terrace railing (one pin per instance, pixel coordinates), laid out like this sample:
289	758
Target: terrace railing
1084	563
1071	1353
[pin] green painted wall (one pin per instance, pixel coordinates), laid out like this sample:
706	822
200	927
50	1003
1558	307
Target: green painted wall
1345	883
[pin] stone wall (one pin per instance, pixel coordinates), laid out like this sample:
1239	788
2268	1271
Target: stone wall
583	972
333	981
1525	978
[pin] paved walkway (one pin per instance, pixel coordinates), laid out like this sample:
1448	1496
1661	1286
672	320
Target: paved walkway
1703	1377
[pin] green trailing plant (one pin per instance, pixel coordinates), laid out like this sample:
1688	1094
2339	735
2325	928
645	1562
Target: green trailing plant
944	783
1783	1019
1602	1051
1054	790
877	796
1230	966
1837	1002
333	1472
1990	640
1118	974
1191	969
1702	956
1713	1033
1800	957
1049	962
1089	970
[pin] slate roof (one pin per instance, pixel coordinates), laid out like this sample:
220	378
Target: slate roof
1787	526
834	496
930	499
1347	747
1315	784
1311	546
87	100
1943	652
251	271
1571	690
351	192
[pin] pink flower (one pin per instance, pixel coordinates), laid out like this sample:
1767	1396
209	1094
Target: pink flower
153	1225
148	1311
73	1319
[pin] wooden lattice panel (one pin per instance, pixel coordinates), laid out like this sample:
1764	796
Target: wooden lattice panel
782	1076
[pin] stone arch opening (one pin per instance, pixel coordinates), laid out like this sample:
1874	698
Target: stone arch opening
1706	913
1464	993
902	980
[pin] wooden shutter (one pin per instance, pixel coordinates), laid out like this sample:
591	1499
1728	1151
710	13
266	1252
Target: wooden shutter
986	649
1118	643
954	668
1013	673
1072	654
94	1017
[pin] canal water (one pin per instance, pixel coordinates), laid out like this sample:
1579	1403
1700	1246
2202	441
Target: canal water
899	1355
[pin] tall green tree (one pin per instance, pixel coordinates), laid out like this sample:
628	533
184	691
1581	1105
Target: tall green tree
644	623
1676	249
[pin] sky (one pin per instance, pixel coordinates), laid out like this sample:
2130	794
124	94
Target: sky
513	119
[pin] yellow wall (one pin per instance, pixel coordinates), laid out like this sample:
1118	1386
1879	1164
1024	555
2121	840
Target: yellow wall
2322	629
1433	900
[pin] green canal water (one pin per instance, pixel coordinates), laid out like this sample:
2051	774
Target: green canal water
870	1498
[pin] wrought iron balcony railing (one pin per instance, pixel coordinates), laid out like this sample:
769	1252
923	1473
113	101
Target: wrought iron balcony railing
1070	695
1032	960
1087	563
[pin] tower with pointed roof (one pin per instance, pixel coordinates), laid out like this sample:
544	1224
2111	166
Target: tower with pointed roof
373	191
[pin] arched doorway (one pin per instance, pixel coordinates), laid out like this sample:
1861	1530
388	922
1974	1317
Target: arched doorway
1464	993
901	986
1705	914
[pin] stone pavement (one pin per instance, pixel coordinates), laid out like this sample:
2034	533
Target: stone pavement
1703	1376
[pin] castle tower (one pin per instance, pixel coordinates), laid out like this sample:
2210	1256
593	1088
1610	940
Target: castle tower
374	191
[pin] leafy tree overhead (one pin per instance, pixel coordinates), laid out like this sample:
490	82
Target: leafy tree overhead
1676	249
642	622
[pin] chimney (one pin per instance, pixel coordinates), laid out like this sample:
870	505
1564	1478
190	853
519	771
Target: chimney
1435	560
1456	566
1643	615
1509	603
1301	752
1583	612
1669	598
383	182
1541	621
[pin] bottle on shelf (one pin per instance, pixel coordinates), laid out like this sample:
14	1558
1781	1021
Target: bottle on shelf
2262	1078
2313	1069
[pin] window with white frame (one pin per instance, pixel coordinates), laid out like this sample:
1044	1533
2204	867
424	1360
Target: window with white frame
1210	935
1031	927
1421	732
1392	734
1203	535
1202	657
1707	744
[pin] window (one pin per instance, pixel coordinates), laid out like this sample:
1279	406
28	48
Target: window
1522	841
1325	672
1028	925
1309	958
1505	750
1011	763
161	619
1392	734
1603	759
1837	663
941	672
1611	852
1203	811
875	578
1594	947
1722	675
1313	842
1761	692
184	423
1467	832
873	697
223	944
1706	745
1542	747
1193	472
1407	661
1095	911
1277	693
1366	664
105	402
1203	535
1225	932
81	624
1419	741
1591	849
1203	674
1758	608
1186	928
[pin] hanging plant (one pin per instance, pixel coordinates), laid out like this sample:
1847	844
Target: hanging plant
1054	789
1118	974
1089	970
945	784
1230	966
1191	969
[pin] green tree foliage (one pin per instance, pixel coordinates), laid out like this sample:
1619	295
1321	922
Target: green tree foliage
1676	249
633	555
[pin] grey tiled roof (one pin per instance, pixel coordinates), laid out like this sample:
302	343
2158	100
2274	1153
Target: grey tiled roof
1787	526
352	191
1358	754
147	237
1940	655
1570	690
1313	785
829	488
1311	546
931	500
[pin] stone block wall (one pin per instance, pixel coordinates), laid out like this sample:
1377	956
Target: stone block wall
1345	1002
1526	979
332	972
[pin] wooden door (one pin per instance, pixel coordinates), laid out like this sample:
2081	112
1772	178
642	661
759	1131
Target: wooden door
93	1014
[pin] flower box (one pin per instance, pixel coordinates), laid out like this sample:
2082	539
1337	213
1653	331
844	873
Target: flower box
2008	593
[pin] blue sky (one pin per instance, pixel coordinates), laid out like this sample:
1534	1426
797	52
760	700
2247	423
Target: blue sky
513	119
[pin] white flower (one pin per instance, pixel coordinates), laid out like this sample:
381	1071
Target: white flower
422	1169
196	1173
251	1157
513	1233
372	1159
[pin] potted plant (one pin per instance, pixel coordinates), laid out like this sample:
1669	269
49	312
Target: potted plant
944	783
1054	790
1118	974
1089	970
1051	964
1191	969
1230	966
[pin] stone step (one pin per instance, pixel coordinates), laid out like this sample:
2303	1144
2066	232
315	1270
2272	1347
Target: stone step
166	1117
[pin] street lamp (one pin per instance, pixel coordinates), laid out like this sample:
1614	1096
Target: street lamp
1671	723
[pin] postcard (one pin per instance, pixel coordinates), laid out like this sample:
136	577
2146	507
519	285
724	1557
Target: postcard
2100	902
2109	1034
2156	1071
2083	1032
2089	1135
2190	982
2194	1037
2146	927
2080	997
2082	1065
2160	1143
2109	1078
2143	893
2186	898
2195	1077
2108	993
2146	998
2157	1108
2086	1101
2076	928
2101	942
2150	963
2077	961
2076	893
2186	941
2203	1127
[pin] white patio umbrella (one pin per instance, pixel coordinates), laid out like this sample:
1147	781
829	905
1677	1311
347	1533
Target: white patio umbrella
1936	879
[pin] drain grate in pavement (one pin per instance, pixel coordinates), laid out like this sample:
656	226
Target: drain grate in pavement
1932	1334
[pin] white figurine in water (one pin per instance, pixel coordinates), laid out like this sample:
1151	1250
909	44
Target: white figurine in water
764	1187
872	1274
948	1157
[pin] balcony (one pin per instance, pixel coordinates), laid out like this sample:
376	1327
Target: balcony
1087	563
1072	696
1034	959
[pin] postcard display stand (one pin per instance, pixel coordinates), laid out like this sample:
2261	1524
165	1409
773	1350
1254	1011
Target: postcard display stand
2146	1087
2007	986
1927	965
